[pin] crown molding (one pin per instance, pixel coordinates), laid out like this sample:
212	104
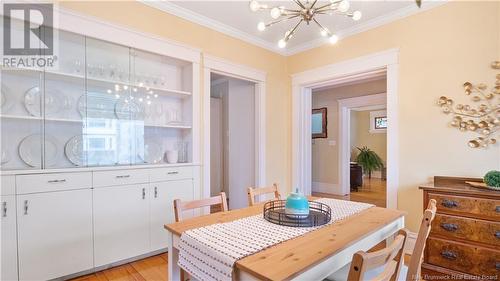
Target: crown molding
189	15
370	24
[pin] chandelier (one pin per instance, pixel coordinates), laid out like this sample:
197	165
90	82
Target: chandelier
307	11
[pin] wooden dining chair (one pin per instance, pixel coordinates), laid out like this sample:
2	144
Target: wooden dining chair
180	206
417	256
252	192
387	261
412	271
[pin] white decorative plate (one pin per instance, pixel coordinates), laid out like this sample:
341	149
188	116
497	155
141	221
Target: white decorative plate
53	102
153	153
96	105
74	150
5	99
30	150
129	109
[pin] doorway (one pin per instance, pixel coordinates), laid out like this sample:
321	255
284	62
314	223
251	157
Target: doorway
358	68
349	108
232	138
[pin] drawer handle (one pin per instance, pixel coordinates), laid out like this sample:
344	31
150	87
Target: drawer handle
25	207
156	192
449	203
449	226
497	234
172	173
449	255
497	209
4	209
497	265
123	176
143	193
57	181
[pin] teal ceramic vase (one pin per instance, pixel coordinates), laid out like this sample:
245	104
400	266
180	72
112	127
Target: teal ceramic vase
297	204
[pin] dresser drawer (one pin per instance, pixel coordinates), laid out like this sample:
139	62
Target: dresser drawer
52	182
168	174
467	229
463	257
467	206
8	184
120	177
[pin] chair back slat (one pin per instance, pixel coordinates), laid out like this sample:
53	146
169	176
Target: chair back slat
253	192
390	258
181	206
417	255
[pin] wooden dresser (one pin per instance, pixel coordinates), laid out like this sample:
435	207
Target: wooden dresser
464	242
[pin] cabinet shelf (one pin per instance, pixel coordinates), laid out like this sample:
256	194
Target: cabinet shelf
102	82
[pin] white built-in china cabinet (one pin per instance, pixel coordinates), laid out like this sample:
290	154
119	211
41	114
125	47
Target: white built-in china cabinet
95	150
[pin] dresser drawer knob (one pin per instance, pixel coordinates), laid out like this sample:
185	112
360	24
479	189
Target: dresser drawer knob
497	234
57	181
449	203
172	173
497	265
497	209
123	176
449	226
449	255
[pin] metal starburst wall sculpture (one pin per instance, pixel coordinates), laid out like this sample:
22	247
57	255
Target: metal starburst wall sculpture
484	118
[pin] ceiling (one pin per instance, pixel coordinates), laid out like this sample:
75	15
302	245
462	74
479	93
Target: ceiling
235	18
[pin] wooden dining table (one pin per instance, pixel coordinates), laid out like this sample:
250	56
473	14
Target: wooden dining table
312	256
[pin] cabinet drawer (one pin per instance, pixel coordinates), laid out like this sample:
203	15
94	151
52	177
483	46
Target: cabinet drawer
8	185
463	257
468	229
174	173
467	206
120	177
53	182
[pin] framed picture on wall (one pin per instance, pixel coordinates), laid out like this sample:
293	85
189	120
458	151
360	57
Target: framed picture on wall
319	123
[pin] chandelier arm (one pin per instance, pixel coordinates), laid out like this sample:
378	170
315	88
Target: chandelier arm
292	31
314	3
321	8
282	19
322	27
299	3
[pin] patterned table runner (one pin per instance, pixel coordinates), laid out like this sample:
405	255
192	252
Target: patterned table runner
209	253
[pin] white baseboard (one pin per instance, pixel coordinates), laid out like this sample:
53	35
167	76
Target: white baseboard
410	242
324	187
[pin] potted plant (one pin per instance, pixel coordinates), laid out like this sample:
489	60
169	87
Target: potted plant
369	160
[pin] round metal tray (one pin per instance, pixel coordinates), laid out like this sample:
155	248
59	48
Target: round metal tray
319	214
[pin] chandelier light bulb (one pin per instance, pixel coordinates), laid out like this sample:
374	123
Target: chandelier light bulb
344	6
333	39
356	15
261	26
282	43
275	12
254	6
324	32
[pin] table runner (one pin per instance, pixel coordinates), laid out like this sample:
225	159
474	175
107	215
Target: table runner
210	252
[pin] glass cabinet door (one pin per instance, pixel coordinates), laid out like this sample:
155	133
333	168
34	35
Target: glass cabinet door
110	133
20	114
64	114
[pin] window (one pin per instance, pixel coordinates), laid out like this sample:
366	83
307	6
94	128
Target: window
380	123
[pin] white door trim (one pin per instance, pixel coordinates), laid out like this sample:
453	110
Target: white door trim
227	68
344	106
301	111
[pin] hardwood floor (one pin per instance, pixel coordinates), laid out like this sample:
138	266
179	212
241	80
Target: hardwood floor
373	191
153	268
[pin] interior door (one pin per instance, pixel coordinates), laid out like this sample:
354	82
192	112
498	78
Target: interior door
121	223
54	234
163	195
9	242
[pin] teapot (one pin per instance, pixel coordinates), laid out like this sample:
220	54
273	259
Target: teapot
297	204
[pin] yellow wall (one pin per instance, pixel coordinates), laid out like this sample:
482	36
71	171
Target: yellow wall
140	17
439	50
325	157
361	136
